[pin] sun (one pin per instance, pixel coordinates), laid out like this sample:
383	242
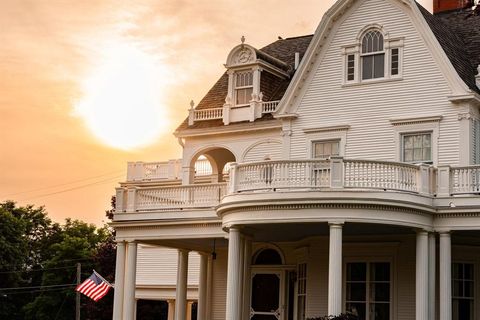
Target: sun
122	99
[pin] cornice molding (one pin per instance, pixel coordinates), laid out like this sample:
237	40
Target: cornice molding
342	127
414	120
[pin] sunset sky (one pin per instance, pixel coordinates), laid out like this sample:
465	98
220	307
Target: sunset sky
86	86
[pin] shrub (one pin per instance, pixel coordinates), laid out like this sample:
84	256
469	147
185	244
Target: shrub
343	316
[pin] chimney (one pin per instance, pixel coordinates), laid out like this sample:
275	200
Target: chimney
448	5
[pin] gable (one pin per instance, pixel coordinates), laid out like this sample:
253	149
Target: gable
341	13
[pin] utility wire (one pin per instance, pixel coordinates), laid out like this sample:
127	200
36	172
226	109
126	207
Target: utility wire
66	260
36	287
62	184
74	188
36	291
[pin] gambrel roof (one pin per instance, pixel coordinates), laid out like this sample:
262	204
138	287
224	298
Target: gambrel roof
458	33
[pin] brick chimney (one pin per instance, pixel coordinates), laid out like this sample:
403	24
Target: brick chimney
447	5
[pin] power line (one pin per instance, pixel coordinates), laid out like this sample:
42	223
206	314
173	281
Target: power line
36	270
74	188
63	260
35	291
36	287
62	184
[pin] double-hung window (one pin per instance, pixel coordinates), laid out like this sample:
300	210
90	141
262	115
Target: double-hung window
301	290
373	55
243	87
325	149
463	291
417	147
368	288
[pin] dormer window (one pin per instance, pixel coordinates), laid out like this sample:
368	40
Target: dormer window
243	87
373	55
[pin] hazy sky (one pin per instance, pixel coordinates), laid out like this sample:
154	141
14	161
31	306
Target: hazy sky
53	49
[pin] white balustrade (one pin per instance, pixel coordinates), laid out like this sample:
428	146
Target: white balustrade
208	114
172	197
282	175
366	174
465	180
269	106
147	171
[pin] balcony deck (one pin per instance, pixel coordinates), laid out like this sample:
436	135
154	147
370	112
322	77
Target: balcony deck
336	174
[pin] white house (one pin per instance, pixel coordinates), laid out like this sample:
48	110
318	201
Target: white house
326	173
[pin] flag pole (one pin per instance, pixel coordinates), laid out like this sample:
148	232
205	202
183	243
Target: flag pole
98	275
77	302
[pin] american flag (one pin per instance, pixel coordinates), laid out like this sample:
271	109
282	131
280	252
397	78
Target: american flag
95	287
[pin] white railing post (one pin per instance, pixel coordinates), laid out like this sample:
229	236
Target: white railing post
226	111
423	179
119	196
172	169
336	172
443	181
131	171
233	177
139	171
131	199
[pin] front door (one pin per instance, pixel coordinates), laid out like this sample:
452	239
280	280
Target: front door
267	300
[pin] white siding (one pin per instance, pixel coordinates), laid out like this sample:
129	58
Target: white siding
219	294
258	152
367	108
158	266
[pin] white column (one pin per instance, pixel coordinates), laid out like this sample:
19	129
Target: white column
431	276
421	277
202	287
171	309
247	281
233	275
445	276
240	276
181	289
189	310
335	270
119	281
208	310
130	275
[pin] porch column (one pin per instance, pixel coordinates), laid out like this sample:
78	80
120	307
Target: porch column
247	278
233	275
202	288
119	281
240	276
181	289
445	276
208	310
335	270
431	275
189	310
421	277
131	272
171	309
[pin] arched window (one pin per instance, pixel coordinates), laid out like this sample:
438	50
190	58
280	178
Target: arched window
267	256
372	55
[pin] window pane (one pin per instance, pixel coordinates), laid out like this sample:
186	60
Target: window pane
351	67
468	271
408	142
379	65
417	154
356	272
395	61
358	309
380	311
408	156
367	67
380	292
356	291
335	147
380	271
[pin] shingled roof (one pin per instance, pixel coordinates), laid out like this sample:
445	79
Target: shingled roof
458	32
283	50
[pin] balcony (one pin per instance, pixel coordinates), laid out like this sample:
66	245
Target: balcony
335	174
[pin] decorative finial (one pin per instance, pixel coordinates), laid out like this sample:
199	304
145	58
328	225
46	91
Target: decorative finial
242	39
192	104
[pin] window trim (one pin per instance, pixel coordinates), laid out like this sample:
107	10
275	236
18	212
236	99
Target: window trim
402	149
373	259
236	88
401	129
326	141
325	136
356	50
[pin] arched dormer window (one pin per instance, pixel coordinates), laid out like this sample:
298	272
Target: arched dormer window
373	55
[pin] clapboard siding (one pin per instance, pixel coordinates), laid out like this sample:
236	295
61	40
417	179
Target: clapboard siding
367	108
258	152
158	266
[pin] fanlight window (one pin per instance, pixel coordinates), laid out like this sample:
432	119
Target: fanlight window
267	257
373	55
